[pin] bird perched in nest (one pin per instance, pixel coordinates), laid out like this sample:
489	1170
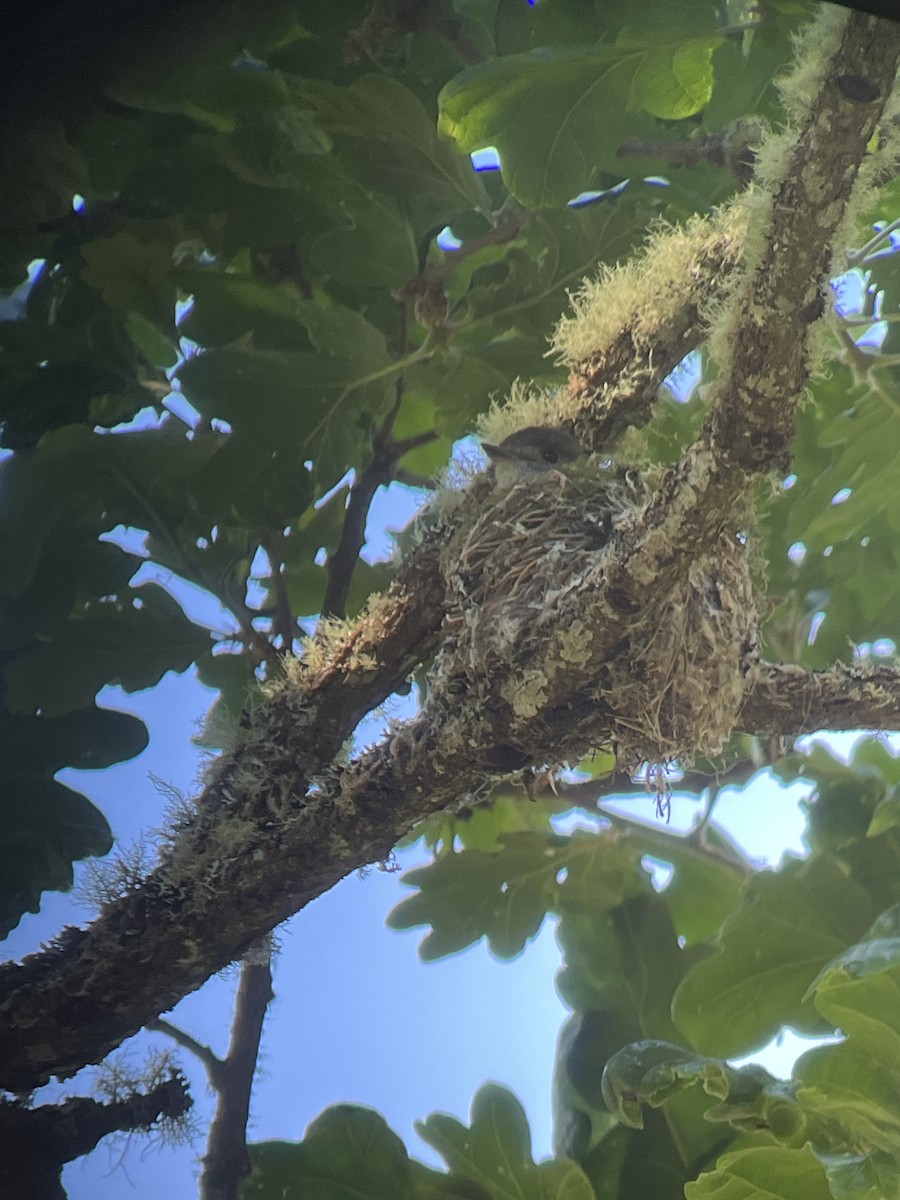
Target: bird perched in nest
531	452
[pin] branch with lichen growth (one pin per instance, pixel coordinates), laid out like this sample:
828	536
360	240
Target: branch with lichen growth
36	1143
784	699
278	825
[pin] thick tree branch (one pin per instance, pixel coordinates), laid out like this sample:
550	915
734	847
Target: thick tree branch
35	1143
174	927
786	700
264	842
648	316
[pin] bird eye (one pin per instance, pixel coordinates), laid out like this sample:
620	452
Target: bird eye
549	455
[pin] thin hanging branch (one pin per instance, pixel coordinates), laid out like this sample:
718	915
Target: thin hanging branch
380	472
227	1162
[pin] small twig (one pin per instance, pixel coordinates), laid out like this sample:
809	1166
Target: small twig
868	319
620	783
432	279
856	257
665	843
411	479
211	1062
380	472
251	637
732	148
712	795
285	626
342	563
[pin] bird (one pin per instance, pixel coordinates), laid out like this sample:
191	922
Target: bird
531	452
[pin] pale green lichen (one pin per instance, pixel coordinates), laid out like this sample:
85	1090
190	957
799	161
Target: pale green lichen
525	693
814	44
641	294
527	404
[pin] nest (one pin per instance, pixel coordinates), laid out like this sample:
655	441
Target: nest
677	693
531	631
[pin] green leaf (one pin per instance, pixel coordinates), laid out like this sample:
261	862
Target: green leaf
45	827
89	739
384	136
790	924
495	1152
846	438
210	87
587	1041
155	346
745	75
485	827
704	889
858	990
347	1151
132	275
862	1177
233	676
253	481
66	374
672	81
227	306
887	814
301	403
49	170
556	116
504	896
70	574
855	1093
79	484
654	1072
633	959
273	149
133	646
847	796
763	1173
470	894
377	247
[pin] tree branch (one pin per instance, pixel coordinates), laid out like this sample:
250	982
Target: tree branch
783	699
226	1162
285	626
734	148
35	1143
211	1061
386	452
644	318
765	336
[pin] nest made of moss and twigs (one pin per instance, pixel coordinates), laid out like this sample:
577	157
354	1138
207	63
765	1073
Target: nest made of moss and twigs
533	564
677	693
